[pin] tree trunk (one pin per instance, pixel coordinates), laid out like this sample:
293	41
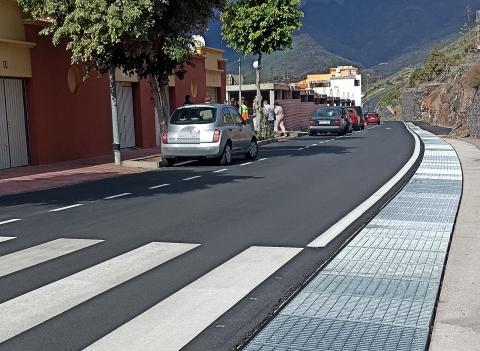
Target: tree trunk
257	104
115	132
159	96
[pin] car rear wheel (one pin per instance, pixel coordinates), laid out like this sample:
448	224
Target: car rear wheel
226	157
168	161
312	133
252	151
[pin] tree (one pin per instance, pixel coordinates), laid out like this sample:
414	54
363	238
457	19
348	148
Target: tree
260	27
150	38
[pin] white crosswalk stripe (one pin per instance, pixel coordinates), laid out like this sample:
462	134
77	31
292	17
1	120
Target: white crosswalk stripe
6	238
175	321
41	253
29	310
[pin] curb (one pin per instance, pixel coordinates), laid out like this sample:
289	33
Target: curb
363	213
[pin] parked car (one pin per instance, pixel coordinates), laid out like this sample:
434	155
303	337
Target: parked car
373	118
354	118
328	120
207	131
361	116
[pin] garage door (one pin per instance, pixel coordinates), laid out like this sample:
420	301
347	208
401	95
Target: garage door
126	120
13	136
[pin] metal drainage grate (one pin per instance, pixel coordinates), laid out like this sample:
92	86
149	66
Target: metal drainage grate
379	292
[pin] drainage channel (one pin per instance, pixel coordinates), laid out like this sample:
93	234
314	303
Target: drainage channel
379	292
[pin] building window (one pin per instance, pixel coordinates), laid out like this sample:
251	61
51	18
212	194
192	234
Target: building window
357	82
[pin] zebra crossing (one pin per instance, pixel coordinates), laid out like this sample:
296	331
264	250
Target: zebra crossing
193	307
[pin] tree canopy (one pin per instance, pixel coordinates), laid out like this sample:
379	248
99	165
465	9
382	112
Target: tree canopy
261	26
147	37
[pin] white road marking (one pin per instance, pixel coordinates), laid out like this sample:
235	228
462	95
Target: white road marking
246	164
41	253
220	170
263	159
158	186
301	149
184	163
326	237
314	145
116	196
65	208
192	178
29	310
10	221
175	321
6	238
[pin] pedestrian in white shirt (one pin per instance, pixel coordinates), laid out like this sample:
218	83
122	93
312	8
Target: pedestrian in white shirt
279	123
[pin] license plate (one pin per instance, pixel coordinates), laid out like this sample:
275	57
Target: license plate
324	122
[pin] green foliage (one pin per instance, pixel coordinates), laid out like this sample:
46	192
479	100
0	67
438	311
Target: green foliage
436	64
261	26
147	37
392	98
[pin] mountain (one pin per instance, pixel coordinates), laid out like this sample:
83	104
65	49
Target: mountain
372	32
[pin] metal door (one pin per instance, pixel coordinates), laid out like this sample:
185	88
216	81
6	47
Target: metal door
13	135
126	119
4	145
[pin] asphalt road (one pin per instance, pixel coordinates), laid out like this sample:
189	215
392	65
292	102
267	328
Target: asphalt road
295	191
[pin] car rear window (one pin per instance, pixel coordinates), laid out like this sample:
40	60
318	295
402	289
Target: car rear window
373	115
329	113
194	115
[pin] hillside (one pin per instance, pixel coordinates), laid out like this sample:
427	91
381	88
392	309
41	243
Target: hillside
371	32
306	56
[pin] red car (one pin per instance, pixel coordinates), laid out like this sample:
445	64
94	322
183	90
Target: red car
372	118
354	118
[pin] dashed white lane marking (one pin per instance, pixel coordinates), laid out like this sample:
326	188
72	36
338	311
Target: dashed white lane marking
220	170
263	159
6	238
158	186
175	321
302	148
192	178
41	253
246	164
28	310
65	208
10	221
314	145
116	196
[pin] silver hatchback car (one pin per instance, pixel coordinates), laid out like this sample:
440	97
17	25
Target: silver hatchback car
211	131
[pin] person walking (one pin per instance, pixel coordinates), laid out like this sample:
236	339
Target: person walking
188	101
270	113
244	111
234	103
279	123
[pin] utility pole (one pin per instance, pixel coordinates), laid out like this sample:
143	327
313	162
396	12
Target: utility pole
366	93
113	102
240	83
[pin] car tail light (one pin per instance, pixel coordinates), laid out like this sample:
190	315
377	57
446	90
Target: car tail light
336	122
312	123
165	137
216	135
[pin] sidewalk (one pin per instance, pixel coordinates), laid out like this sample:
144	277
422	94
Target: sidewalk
34	178
457	323
379	292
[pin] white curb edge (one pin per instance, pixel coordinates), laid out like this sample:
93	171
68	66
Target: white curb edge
330	234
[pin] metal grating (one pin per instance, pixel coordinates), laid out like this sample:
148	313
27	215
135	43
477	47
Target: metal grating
379	292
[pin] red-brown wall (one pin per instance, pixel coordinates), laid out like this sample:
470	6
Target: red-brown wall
144	111
183	86
61	125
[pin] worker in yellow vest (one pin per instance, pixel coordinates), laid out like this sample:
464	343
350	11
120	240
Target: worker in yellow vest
244	110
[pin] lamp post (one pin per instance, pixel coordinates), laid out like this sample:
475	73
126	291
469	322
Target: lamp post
240	83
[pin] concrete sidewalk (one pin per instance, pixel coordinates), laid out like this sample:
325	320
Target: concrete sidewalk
34	178
457	322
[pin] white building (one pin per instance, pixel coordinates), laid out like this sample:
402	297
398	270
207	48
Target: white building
343	82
